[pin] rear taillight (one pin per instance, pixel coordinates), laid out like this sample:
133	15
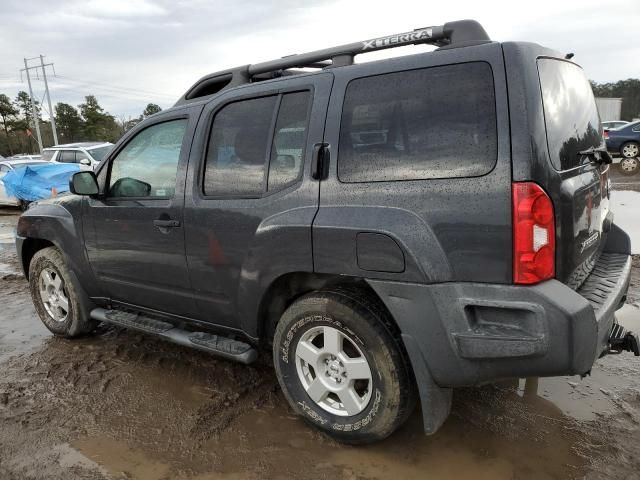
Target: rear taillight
606	134
534	234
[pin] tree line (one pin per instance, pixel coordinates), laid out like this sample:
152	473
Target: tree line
88	122
628	90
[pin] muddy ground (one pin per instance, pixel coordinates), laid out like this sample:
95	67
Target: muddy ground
123	405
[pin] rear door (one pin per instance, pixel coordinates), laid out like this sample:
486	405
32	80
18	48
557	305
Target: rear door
251	199
579	184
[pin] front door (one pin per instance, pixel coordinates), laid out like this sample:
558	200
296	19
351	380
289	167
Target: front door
135	232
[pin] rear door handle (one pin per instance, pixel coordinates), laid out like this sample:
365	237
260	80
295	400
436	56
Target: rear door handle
166	223
320	165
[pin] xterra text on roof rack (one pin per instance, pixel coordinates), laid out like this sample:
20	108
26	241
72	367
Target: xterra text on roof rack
391	230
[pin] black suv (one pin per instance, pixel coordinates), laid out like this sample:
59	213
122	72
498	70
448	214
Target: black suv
391	229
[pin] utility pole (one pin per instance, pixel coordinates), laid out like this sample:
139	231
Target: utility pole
34	112
42	66
51	114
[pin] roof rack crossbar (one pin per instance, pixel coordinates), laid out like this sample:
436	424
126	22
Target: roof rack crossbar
450	34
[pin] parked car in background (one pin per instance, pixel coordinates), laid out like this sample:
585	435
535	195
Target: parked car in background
25	156
5	167
612	124
89	154
625	141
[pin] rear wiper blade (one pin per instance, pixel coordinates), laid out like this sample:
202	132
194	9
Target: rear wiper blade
600	154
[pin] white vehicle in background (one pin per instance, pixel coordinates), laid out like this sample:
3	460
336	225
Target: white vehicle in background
5	167
25	156
87	154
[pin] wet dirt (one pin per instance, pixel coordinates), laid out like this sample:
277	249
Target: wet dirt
123	405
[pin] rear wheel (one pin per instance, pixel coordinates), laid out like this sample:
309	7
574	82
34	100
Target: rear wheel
629	166
59	303
630	150
341	368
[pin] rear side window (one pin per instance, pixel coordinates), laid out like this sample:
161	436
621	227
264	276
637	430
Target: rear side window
249	155
67	156
290	137
437	122
570	112
48	154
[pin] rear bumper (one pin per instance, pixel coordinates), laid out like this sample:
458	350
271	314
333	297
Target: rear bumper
471	333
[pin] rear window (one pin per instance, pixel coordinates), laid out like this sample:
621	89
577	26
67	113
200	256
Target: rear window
48	154
437	122
570	112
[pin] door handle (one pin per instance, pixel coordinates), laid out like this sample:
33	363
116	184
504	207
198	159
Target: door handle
320	162
166	223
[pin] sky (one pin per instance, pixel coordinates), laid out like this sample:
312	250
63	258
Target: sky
132	52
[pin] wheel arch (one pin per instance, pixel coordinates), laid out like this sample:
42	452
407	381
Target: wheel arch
287	288
31	246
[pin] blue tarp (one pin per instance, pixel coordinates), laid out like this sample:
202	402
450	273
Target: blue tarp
37	182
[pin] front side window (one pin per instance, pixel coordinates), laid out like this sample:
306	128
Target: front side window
147	166
436	122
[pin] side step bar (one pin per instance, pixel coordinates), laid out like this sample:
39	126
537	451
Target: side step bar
221	346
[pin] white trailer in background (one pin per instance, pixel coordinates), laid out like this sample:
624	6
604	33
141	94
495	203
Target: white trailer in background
609	108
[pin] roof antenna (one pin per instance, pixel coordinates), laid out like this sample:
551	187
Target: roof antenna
569	56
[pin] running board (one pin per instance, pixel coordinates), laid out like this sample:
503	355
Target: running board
221	346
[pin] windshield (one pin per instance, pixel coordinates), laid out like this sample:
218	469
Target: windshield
100	152
48	154
570	112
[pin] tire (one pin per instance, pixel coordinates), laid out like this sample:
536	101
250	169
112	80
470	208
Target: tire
59	301
629	166
630	150
362	363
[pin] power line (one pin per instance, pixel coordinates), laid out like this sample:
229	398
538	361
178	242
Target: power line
117	87
102	91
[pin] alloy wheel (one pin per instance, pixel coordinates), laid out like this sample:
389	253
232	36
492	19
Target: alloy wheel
333	371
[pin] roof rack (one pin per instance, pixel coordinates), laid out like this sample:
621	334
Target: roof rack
451	34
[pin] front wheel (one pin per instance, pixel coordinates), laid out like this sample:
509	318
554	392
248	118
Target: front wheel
630	150
59	302
629	166
341	368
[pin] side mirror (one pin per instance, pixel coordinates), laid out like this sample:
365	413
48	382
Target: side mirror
85	161
84	183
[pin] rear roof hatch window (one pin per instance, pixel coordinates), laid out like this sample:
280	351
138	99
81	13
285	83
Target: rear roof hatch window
570	113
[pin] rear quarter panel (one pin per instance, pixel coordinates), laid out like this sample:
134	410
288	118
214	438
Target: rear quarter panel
448	229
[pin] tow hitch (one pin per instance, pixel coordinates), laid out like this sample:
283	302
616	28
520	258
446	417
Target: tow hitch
621	340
